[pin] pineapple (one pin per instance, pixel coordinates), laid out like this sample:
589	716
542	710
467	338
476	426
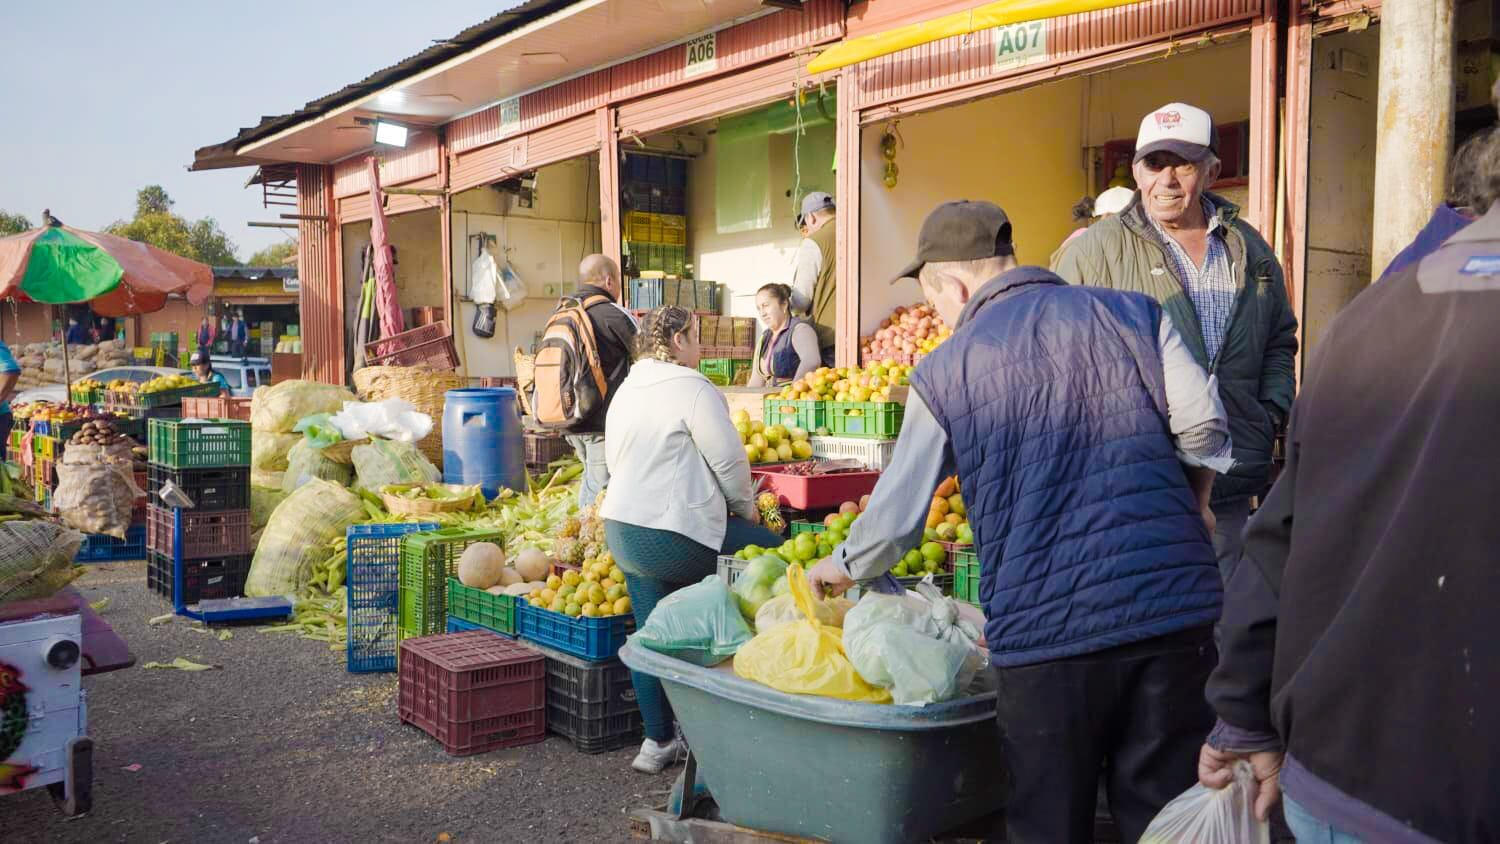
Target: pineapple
770	512
570	527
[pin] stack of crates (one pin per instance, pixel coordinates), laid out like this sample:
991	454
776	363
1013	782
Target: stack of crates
428	560
203	551
653	191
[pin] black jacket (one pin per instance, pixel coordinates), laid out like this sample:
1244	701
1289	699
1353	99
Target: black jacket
1359	626
614	329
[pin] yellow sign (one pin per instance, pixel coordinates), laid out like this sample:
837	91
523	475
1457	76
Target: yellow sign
249	287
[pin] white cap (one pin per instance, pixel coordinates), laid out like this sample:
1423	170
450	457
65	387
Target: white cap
1113	201
1177	128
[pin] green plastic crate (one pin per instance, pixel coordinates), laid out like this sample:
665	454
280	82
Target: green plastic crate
800	526
965	576
867	419
428	559
808	414
199	443
496	612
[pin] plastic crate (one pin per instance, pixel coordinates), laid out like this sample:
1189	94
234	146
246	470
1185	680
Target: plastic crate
99	548
210	489
873	420
595	735
876	455
372	582
428	559
199	443
173	531
808	414
429	345
816	492
216	407
965	565
542	449
89	397
206	579
730	568
592	704
493	612
474	691
800	526
46	447
589	638
458	625
161	398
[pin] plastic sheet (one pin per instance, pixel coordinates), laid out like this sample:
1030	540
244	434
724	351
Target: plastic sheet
700	624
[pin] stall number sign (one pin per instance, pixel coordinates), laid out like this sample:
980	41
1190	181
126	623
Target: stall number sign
703	54
1020	44
510	115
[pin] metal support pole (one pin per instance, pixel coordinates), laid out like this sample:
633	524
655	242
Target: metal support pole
1414	128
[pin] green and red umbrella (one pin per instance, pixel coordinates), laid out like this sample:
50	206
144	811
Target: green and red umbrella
61	265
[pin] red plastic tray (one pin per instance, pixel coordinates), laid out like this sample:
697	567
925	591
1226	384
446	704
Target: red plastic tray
474	691
816	492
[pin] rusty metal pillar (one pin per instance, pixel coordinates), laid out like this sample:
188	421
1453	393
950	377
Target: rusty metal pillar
1414	128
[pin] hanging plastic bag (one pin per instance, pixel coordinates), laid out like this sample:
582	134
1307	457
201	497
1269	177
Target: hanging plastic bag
700	624
512	289
1203	815
804	657
305	463
484	321
299	534
783	609
382	462
915	645
484	279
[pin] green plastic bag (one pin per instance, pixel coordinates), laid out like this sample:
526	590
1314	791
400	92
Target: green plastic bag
317	431
700	624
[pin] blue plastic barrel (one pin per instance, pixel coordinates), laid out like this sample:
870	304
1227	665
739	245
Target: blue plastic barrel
482	439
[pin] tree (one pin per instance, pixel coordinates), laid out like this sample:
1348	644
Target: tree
155	224
275	255
13	223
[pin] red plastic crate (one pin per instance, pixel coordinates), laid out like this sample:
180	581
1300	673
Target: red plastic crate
216	407
816	492
429	345
216	533
542	449
474	691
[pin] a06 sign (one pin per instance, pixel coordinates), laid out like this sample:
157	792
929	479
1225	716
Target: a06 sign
702	54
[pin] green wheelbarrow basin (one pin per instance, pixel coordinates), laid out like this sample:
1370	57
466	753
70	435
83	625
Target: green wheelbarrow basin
830	769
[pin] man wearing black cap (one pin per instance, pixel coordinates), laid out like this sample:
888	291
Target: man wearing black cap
814	286
1221	284
1085	439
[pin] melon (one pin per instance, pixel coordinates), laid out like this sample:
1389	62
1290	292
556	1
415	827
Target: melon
481	565
532	564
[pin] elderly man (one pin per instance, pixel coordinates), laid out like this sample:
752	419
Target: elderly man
814	286
1360	662
1084	436
1219	281
614	328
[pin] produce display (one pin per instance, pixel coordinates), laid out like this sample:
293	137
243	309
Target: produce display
47	412
771	444
87	384
593	590
947	517
872	383
906	336
159	384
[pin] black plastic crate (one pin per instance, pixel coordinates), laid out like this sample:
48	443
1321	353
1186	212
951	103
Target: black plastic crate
587	689
598	735
218	577
210	489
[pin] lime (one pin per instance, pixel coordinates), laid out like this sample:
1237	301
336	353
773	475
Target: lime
933	551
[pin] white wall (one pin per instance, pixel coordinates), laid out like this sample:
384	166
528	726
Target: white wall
544	244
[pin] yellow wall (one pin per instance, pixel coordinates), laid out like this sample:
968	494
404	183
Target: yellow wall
1028	151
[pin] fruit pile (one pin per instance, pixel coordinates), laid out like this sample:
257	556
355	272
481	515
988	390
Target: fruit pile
87	384
162	383
872	383
905	336
947	517
59	413
592	585
771	444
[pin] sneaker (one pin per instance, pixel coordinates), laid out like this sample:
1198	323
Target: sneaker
654	758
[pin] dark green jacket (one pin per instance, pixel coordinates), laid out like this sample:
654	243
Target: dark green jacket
1257	381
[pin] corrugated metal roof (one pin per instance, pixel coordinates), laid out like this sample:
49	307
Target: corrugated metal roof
224	154
255	273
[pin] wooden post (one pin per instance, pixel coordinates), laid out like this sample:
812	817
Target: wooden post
846	273
609	186
1414	128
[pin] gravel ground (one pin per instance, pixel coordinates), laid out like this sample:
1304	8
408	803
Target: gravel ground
283	744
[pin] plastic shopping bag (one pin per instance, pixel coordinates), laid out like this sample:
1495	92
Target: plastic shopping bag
1203	815
783	609
700	624
805	657
915	645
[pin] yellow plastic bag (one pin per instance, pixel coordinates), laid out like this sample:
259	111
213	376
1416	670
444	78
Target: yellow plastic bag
804	657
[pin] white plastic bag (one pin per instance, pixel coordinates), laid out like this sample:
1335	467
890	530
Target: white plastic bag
1203	815
392	419
512	289
916	645
484	279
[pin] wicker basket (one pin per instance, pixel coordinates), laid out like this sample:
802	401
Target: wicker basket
400	506
422	387
525	375
343	450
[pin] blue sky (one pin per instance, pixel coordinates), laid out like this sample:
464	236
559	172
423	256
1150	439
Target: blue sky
99	98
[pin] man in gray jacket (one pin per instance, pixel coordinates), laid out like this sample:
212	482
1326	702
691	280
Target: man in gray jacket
1220	283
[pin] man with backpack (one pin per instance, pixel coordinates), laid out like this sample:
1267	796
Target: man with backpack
585	354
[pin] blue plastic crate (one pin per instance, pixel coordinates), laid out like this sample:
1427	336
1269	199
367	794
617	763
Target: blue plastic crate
458	625
99	548
588	638
373	580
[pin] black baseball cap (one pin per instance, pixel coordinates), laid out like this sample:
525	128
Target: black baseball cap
961	231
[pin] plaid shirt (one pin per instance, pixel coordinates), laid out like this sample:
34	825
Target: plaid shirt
1211	287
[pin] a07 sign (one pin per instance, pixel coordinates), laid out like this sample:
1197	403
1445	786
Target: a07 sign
1020	43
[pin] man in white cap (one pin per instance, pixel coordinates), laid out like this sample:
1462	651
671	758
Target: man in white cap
1219	281
814	286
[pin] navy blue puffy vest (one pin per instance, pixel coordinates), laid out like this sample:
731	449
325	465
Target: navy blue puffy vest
1087	531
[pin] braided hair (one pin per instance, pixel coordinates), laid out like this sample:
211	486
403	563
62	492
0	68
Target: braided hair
657	331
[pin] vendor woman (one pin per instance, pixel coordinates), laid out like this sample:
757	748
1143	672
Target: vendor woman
203	368
788	349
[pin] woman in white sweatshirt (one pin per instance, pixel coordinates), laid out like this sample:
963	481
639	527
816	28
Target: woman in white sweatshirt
679	491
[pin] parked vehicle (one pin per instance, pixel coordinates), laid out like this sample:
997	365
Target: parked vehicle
58	394
243	374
